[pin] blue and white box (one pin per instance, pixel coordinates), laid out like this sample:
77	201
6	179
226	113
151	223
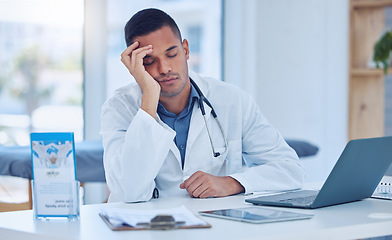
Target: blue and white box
55	187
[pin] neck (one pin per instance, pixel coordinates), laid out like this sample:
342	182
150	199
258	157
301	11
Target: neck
176	104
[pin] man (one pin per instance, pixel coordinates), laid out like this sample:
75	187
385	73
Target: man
156	141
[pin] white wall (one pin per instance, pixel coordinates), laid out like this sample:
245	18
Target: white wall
292	56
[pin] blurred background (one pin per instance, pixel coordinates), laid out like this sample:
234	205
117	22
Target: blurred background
60	60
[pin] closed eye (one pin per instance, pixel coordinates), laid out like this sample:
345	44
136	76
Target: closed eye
172	55
172	52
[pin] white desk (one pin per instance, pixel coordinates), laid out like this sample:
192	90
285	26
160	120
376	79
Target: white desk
363	219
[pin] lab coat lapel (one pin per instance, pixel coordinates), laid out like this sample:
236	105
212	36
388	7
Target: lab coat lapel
173	146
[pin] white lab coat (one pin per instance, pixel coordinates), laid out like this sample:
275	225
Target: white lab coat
140	154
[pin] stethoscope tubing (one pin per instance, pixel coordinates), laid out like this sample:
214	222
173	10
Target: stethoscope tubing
202	100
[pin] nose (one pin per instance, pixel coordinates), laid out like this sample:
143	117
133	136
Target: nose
164	67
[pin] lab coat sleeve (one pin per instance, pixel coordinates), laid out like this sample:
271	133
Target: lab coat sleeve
135	147
271	163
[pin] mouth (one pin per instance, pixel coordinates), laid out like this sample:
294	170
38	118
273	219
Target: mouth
167	80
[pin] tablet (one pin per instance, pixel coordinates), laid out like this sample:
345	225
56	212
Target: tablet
255	215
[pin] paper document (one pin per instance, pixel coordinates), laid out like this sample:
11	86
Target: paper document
384	188
131	217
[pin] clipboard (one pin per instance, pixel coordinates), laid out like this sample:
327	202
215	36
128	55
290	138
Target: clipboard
124	227
119	219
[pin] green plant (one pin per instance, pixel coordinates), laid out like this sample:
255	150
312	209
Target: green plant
382	51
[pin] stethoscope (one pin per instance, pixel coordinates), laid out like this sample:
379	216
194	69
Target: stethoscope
202	99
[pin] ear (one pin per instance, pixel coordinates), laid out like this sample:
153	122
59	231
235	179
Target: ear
185	46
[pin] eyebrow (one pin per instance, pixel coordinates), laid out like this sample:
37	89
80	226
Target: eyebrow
170	48
167	50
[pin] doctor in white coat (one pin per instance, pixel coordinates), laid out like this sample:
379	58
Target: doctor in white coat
239	152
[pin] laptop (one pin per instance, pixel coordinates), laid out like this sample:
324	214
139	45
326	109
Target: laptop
354	177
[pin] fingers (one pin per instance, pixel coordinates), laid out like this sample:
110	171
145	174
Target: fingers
133	56
126	55
204	191
203	185
200	185
137	57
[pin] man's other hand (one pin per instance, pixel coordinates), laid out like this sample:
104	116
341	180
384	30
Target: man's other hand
203	185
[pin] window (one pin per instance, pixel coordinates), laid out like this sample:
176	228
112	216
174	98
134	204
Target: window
41	45
41	76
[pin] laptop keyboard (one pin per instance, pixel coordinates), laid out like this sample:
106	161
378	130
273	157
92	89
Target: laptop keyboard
302	197
299	200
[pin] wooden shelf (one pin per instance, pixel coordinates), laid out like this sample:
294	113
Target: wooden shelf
368	72
366	85
371	3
